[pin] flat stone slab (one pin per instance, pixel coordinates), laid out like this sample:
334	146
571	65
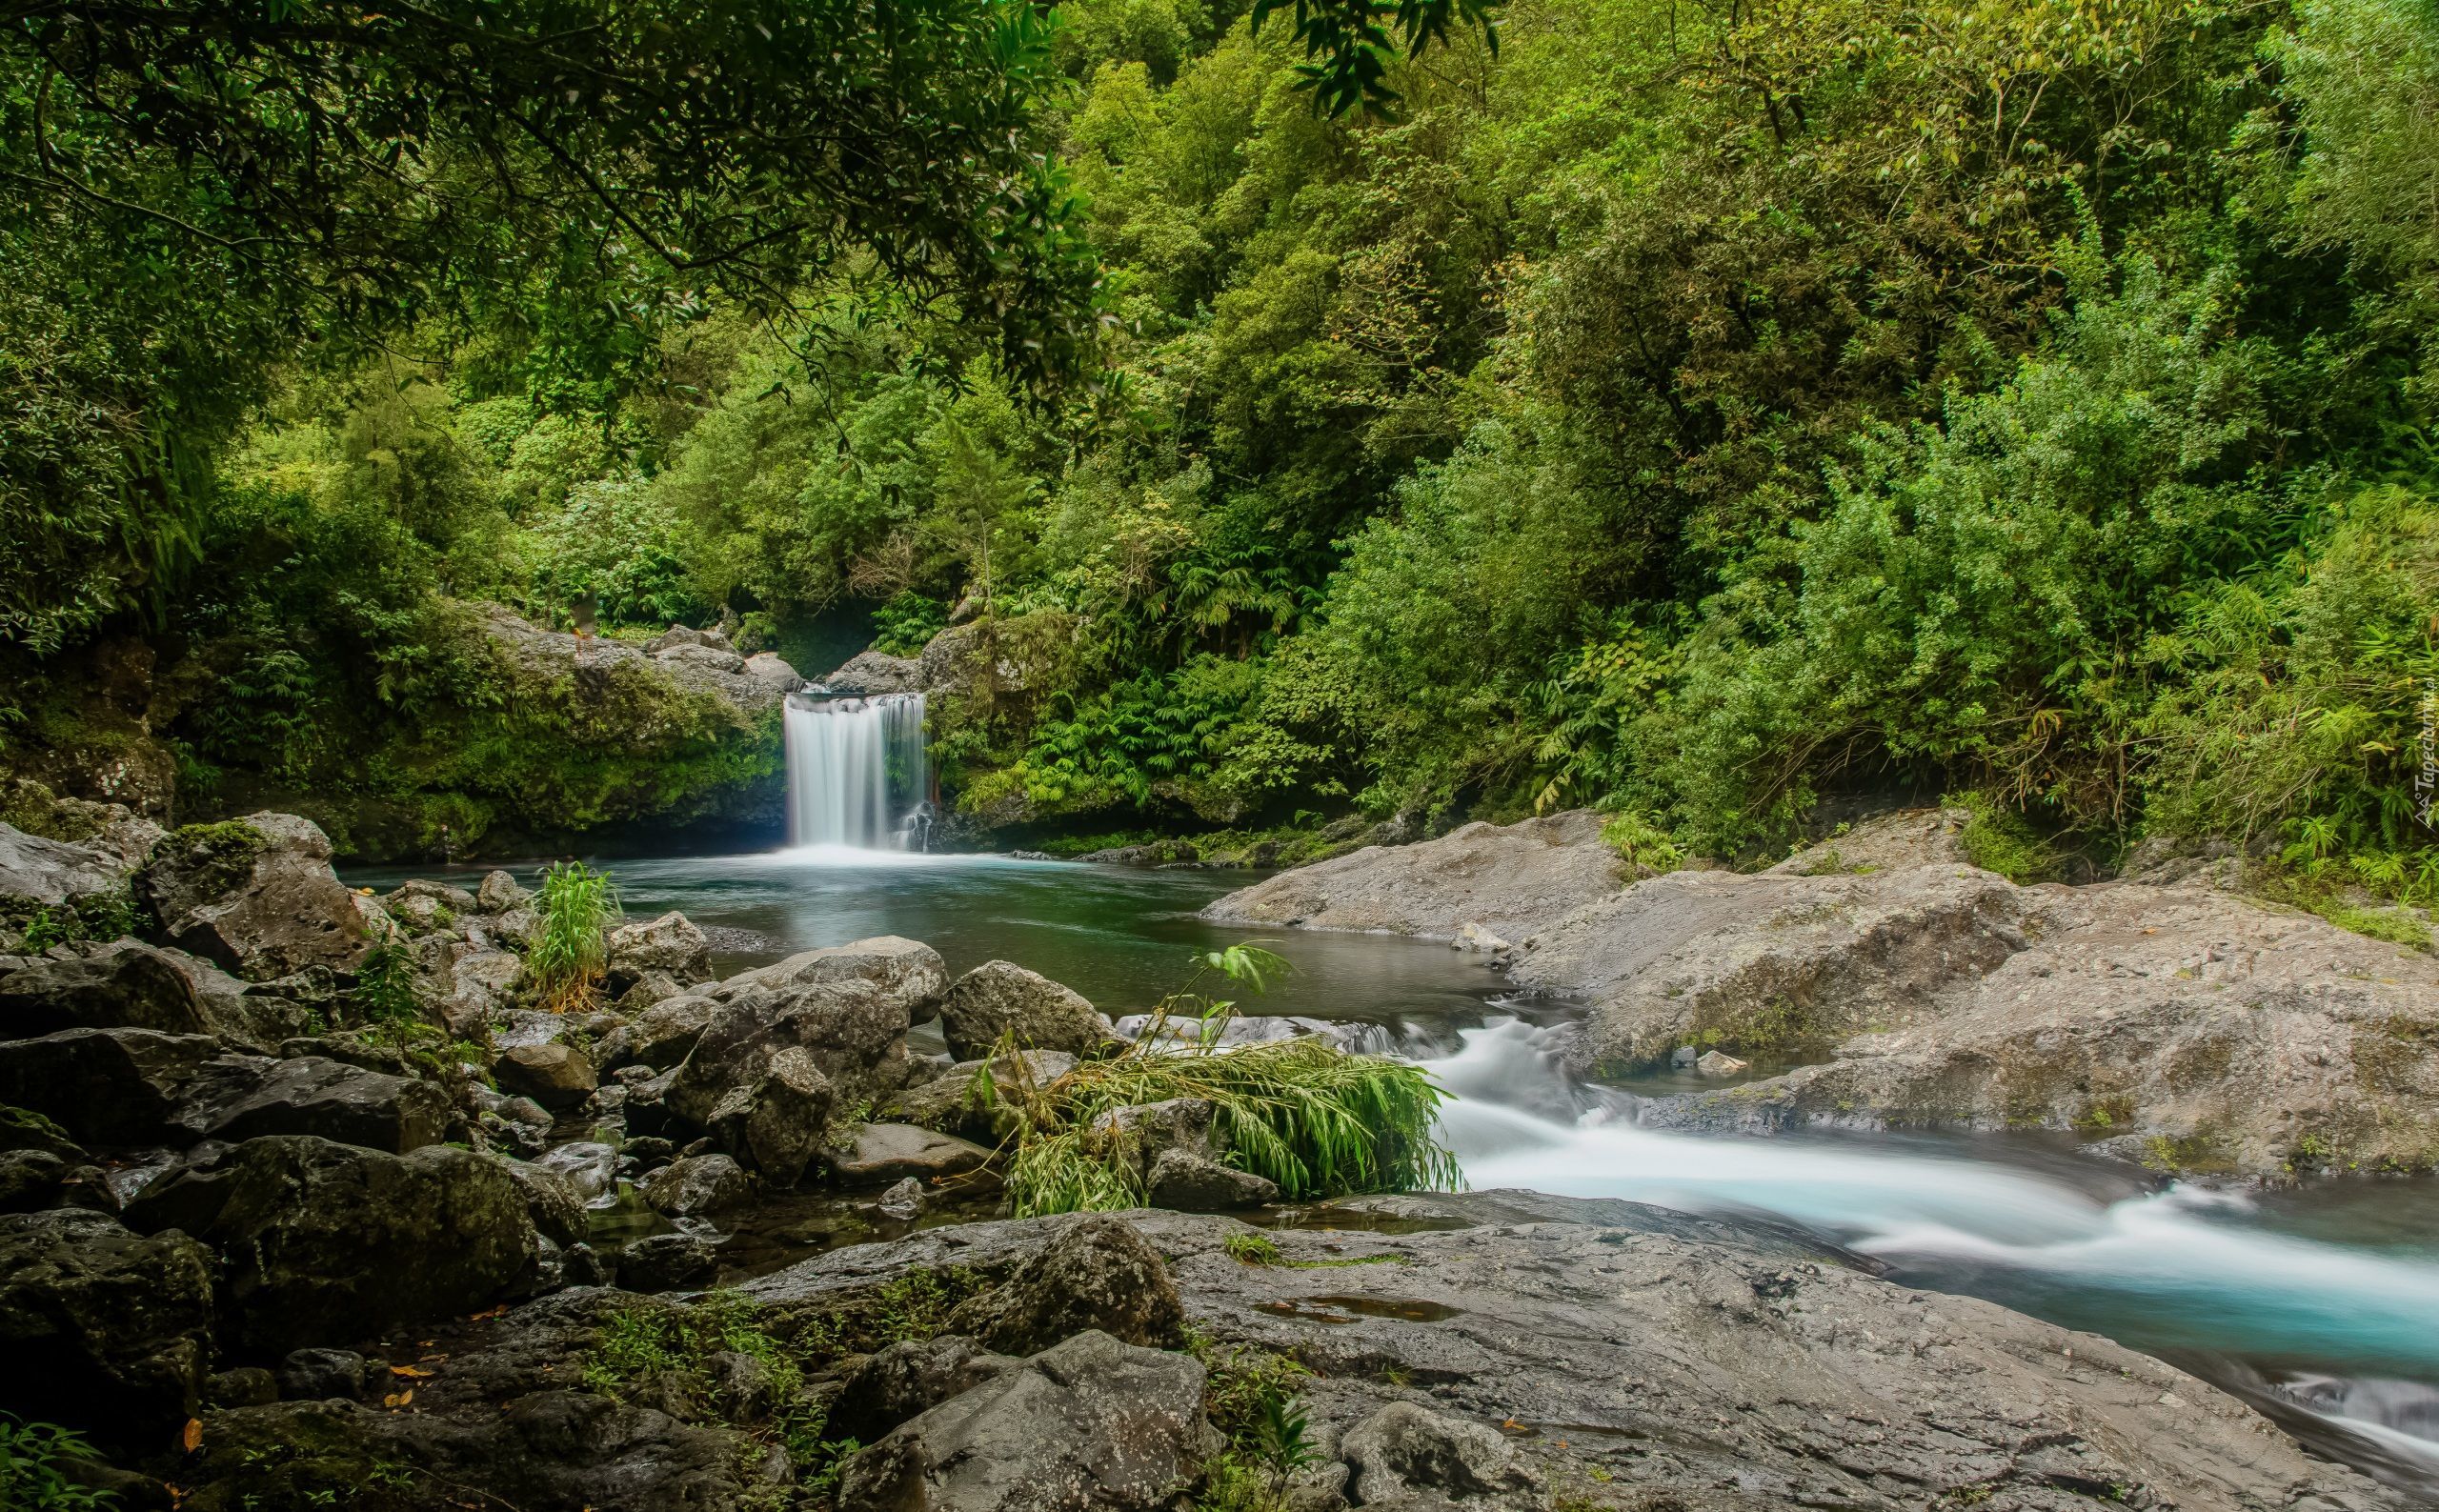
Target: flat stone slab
891	1152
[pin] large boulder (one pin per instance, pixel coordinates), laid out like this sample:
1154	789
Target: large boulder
323	1242
1097	1274
1776	966
908	1379
1186	1182
659	1037
670	945
2190	1029
903	971
774	1119
105	1086
256	896
233	1097
124	986
1092	1425
40	873
883	1153
554	1074
1000	998
696	1185
956	1102
850	1026
1506	879
870	674
102	1329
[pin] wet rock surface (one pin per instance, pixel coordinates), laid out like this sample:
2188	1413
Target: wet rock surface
103	1330
1002	998
256	896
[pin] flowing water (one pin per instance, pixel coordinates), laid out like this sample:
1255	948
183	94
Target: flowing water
857	771
2319	1305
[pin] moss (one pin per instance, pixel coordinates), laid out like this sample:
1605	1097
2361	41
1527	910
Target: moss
2003	841
218	858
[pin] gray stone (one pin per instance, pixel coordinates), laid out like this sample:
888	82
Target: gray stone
555	1074
1404	1450
1719	1063
696	1185
1092	1425
103	1331
903	1201
903	972
256	896
1000	998
670	945
649	991
1187	1183
106	1087
1507	879
588	1166
499	893
1095	1274
244	1386
234	1098
883	1153
319	1373
953	1102
662	1036
328	1241
49	872
667	1262
124	986
907	1379
774	1123
872	673
552	1200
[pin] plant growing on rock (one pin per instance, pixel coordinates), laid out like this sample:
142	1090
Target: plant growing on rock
569	957
1303	1112
32	1455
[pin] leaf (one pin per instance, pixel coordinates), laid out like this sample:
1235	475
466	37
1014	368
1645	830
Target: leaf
192	1438
412	1372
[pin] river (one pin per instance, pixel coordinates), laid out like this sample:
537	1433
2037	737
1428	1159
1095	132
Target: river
2320	1304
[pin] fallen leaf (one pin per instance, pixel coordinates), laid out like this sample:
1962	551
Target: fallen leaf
399	1398
502	1311
413	1372
193	1437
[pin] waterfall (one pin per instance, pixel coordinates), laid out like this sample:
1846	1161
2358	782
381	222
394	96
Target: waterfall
856	771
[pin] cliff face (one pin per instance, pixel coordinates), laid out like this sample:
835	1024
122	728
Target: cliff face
531	741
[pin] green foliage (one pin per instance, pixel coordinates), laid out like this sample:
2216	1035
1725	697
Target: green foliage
1999	840
567	960
904	625
32	1456
384	996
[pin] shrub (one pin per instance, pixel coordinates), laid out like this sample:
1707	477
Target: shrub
567	962
32	1456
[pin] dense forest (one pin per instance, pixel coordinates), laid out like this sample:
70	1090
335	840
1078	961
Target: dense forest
1701	410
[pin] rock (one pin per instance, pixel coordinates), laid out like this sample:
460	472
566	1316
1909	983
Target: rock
1193	1183
314	1374
1093	1426
124	986
2200	1031
1405	1451
674	637
883	1153
32	1180
1683	1056
696	1186
848	1026
661	1036
422	907
1097	1274
649	991
765	667
774	1123
1681	1355
103	1330
872	673
907	1379
953	1101
1152	1129
1259	1028
998	997
1783	965
667	1262
480	984
255	894
588	1167
903	1201
1886	842
45	873
325	1242
105	1087
670	945
903	972
1716	1063
555	1074
552	1201
233	1097
244	1386
1507	879
499	893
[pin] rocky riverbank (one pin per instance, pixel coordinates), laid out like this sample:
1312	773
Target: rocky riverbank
273	1236
2178	1025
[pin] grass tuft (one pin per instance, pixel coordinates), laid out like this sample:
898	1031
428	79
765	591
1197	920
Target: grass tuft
569	958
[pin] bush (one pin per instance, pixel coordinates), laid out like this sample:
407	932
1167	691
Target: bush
32	1476
567	960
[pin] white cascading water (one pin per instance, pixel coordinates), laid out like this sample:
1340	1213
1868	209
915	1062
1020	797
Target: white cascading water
2182	1257
856	771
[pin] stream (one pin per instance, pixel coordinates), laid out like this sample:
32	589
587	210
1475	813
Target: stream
2319	1305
